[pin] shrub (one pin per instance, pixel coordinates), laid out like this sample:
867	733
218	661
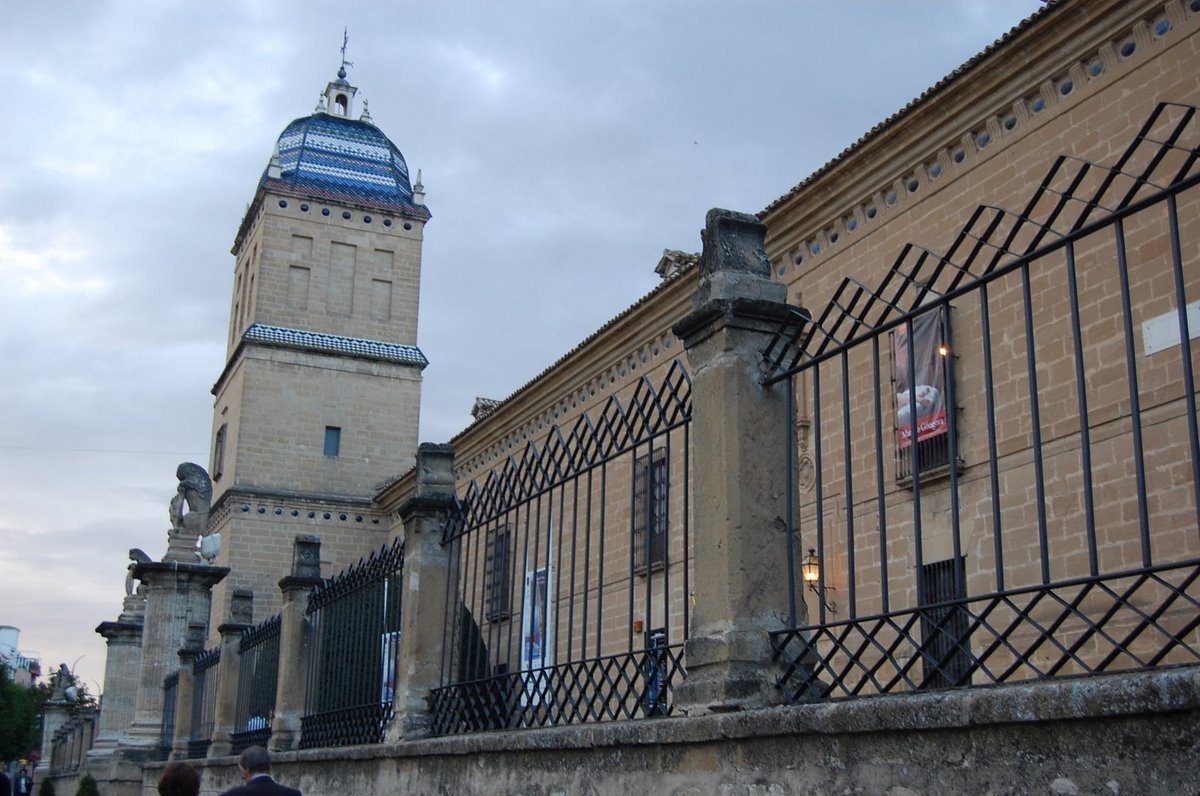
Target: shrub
46	788
88	786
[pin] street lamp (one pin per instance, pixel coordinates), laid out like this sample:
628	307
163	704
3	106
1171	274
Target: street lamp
810	571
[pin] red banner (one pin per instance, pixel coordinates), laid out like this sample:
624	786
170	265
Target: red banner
922	401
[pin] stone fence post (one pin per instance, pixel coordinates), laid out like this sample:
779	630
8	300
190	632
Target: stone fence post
293	643
178	593
423	602
122	664
739	466
241	615
193	645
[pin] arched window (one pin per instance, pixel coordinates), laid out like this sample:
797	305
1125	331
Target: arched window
342	104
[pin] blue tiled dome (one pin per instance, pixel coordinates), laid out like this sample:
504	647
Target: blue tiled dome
325	156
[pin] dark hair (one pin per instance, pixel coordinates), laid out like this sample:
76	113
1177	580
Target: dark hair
179	779
255	760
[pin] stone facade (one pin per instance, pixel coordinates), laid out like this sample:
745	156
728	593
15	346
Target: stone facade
1076	83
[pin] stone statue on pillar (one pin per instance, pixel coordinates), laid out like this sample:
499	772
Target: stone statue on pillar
195	493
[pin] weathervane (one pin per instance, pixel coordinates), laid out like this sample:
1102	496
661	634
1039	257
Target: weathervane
345	63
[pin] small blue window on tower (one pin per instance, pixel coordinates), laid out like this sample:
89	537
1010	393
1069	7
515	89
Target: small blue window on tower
333	440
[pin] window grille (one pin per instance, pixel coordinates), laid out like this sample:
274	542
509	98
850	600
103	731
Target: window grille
650	490
945	640
497	578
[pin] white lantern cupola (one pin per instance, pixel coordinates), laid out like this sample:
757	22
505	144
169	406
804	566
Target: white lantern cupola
339	94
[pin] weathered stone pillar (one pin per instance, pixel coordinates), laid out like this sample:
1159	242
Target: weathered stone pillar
87	728
185	693
241	616
124	637
177	594
423	604
293	646
56	714
739	466
122	677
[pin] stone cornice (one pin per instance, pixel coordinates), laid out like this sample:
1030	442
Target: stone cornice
299	355
750	314
971	114
270	504
115	630
200	573
293	583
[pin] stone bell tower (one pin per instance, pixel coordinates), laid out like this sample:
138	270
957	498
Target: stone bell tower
319	399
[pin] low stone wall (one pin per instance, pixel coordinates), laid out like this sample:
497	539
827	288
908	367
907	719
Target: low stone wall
1120	734
65	784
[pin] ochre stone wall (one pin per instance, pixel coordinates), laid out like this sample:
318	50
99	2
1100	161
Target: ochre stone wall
1070	85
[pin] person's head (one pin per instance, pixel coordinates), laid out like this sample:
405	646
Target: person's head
24	771
179	779
254	760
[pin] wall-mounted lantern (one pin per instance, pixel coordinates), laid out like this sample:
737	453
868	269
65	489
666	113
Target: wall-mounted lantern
810	570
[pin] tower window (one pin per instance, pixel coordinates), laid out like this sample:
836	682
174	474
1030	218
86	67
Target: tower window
218	464
343	105
333	440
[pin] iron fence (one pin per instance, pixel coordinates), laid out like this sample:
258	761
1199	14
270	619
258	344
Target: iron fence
166	733
567	598
258	677
997	447
204	702
354	632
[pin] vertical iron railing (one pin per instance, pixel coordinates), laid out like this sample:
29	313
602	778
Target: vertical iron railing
258	677
1060	532
204	702
567	601
166	733
354	640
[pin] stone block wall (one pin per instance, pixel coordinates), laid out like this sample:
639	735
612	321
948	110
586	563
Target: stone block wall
1116	735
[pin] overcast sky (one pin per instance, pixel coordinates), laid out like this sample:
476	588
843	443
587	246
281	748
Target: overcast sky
563	145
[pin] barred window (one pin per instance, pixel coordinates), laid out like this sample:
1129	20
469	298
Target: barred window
496	575
650	490
945	629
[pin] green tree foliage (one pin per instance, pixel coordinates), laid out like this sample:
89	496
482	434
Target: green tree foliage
19	707
75	692
88	786
46	788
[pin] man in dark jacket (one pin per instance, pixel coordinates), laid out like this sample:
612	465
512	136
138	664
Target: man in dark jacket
255	765
23	785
